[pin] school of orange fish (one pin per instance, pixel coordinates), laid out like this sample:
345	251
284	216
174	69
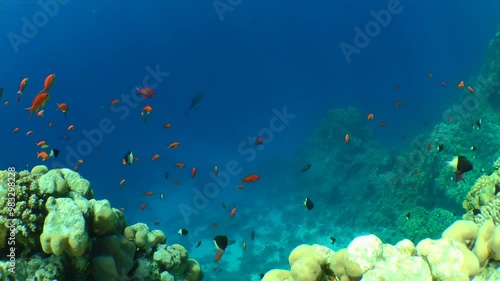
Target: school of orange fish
40	101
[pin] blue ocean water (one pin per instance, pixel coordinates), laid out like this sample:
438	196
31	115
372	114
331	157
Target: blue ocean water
253	61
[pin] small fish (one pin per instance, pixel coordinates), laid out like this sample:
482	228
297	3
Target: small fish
180	165
48	83
114	102
80	161
128	159
251	178
408	215
71	127
346	138
193	172
15	130
155	157
161	196
252	235
370	116
309	204
29	133
332	240
382	124
62	107
167	126
472	148
22	86
40	143
38	102
166	175
233	212
122	182
149	193
244	246
145	92
460	85
470	90
198	244
223	205
461	166
214	224
40	113
1	92
440	147
240	186
216	171
306	167
443	84
398	103
195	103
478	124
183	231
259	140
143	206
174	144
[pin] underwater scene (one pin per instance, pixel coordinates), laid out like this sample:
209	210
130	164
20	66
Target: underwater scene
237	140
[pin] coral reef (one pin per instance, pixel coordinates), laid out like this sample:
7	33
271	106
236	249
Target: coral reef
51	228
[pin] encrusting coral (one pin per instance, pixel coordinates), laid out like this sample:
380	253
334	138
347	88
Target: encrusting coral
62	233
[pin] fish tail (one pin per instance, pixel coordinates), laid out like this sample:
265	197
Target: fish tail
30	110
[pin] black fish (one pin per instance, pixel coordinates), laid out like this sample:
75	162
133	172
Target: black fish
478	124
472	148
198	245
262	276
332	240
440	147
461	166
306	167
221	242
309	204
183	231
408	216
1	92
128	159
54	153
195	103
252	235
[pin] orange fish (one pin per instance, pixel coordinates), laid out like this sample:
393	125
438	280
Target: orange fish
38	102
48	83
40	113
193	172
148	109
180	165
15	130
346	138
63	107
155	157
233	212
240	186
22	86
370	116
145	92
71	127
80	161
167	126
40	143
29	133
251	178
136	159
75	168
382	124
143	206
51	123
43	155
469	88
149	193
216	171
6	103
122	182
398	103
114	102
461	85
218	255
175	144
